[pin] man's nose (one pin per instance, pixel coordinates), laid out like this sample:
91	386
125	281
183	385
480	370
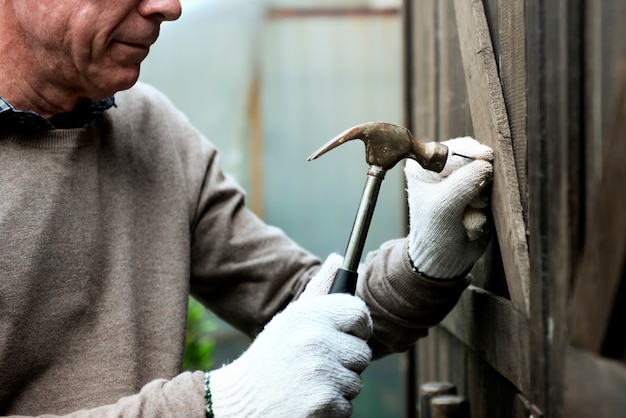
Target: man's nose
163	9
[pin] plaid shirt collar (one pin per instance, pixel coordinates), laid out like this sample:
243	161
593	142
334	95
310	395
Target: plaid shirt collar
83	113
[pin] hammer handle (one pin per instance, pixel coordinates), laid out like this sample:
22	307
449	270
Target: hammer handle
345	281
346	277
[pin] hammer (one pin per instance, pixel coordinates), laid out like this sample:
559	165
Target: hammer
385	145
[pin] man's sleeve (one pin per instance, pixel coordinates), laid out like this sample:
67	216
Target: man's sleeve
403	303
183	396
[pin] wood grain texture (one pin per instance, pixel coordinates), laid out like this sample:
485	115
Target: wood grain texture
513	67
454	119
424	68
491	126
496	331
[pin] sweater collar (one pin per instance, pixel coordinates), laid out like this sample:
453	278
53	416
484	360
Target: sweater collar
85	111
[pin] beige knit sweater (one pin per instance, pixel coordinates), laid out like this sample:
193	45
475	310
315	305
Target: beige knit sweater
104	232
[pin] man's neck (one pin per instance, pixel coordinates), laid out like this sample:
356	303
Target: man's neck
44	100
27	88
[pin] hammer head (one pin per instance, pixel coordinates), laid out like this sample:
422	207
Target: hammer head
386	144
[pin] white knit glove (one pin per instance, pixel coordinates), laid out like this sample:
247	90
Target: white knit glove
305	363
448	210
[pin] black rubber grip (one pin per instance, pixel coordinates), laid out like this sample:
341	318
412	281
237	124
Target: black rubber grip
345	281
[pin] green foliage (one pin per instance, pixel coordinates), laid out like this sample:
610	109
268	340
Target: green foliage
199	343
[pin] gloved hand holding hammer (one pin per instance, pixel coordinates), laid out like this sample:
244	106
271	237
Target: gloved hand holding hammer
307	360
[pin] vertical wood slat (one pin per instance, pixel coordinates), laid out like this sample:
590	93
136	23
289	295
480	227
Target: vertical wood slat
538	245
605	48
454	113
425	359
513	69
424	70
601	268
563	137
491	125
409	362
475	388
493	16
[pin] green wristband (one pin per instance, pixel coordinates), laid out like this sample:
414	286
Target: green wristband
207	397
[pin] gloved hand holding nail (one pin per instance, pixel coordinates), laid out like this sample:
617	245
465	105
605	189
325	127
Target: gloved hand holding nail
448	210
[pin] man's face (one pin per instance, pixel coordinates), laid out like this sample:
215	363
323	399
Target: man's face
91	47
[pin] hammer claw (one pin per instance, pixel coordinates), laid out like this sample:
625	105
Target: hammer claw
385	145
352	133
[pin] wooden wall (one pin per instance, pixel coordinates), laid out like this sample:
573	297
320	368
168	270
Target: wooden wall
540	331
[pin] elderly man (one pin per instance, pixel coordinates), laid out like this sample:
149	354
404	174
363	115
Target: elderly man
113	209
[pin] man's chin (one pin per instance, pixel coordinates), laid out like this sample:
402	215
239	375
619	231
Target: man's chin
106	89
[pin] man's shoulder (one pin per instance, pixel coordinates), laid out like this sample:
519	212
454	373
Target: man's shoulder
143	93
143	111
143	104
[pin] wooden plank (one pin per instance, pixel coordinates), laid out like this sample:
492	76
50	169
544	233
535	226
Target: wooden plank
424	70
444	355
476	376
495	330
491	126
408	63
425	359
458	361
513	74
605	50
410	360
492	15
563	140
601	269
454	117
538	245
555	140
594	386
409	372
